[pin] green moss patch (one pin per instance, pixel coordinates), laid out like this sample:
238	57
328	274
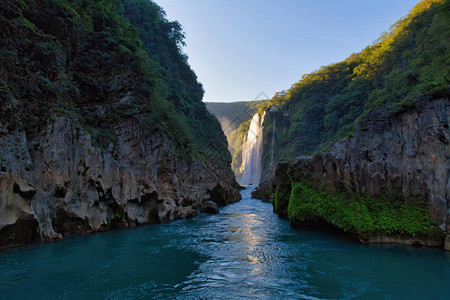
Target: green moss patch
366	215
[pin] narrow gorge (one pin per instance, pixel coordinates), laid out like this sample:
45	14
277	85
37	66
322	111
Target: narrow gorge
345	149
123	177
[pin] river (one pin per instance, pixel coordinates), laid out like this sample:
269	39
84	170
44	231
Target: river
245	251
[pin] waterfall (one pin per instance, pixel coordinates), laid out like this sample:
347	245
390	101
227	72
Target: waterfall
252	152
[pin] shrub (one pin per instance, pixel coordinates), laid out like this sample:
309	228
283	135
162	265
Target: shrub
364	215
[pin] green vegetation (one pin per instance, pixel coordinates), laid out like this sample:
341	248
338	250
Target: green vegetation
235	113
404	67
235	118
409	64
236	144
281	136
98	62
186	117
366	215
281	200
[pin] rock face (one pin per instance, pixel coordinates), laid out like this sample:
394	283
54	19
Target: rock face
58	183
447	244
210	208
406	154
102	123
266	191
267	187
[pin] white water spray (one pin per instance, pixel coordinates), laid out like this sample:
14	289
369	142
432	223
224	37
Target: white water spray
252	153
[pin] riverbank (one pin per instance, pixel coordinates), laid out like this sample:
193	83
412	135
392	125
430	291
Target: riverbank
364	218
386	182
245	251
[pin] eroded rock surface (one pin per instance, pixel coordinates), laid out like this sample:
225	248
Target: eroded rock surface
210	208
267	187
102	123
58	183
406	154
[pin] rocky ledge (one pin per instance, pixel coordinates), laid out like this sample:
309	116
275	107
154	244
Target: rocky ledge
267	187
59	183
393	157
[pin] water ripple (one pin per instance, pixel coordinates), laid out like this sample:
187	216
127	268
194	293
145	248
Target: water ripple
244	252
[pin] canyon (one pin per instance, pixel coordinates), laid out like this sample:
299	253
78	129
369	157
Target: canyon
336	188
362	146
99	132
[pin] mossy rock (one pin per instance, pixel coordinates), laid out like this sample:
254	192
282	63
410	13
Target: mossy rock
365	215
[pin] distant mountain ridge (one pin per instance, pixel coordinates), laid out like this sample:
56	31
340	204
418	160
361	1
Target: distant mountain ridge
232	114
234	118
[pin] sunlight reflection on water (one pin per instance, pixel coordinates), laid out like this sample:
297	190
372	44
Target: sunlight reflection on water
244	252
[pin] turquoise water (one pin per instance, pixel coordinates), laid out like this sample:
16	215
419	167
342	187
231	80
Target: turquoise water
246	251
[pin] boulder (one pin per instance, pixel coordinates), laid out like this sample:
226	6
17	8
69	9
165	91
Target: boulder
210	208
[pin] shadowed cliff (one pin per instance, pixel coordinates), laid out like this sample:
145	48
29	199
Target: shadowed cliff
102	123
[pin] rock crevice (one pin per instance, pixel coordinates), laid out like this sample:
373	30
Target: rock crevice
59	183
400	156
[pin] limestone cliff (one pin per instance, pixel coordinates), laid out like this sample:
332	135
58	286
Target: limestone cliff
406	65
102	123
59	183
399	157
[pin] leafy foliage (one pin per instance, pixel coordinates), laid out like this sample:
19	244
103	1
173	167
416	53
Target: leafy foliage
366	216
236	141
98	62
235	119
409	64
163	41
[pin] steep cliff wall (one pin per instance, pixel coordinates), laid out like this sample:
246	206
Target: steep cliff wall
387	177
409	153
395	159
59	183
235	119
405	65
102	123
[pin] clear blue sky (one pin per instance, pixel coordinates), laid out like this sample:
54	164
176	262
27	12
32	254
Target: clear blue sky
240	48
